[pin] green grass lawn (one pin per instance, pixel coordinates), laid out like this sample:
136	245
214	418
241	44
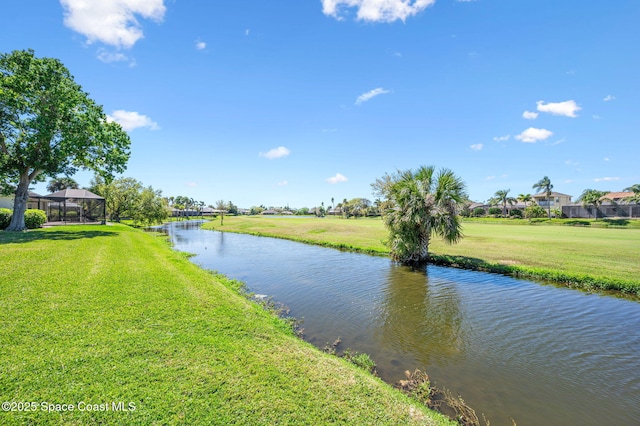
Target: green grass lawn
607	258
103	314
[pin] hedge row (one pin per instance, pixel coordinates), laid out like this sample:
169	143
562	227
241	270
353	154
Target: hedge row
33	218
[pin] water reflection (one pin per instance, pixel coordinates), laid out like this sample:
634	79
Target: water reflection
420	319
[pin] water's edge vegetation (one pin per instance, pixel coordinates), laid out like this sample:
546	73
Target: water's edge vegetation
360	236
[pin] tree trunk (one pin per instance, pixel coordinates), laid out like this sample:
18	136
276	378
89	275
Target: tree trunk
20	204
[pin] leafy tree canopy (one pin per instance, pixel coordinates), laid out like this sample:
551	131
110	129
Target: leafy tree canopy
50	126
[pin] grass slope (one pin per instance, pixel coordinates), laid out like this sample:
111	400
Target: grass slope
604	258
102	314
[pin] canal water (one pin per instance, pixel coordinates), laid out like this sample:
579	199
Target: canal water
540	354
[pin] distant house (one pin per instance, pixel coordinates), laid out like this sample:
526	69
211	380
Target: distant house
614	205
557	200
617	197
35	201
269	212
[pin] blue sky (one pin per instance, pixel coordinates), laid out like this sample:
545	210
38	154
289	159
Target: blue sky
294	102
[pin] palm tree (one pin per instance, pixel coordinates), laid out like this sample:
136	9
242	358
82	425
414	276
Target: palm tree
544	185
502	197
420	203
60	183
592	198
636	193
525	198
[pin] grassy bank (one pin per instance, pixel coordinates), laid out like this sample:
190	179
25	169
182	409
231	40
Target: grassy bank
582	256
95	315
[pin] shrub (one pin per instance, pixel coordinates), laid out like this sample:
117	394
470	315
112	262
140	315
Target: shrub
495	210
516	213
534	211
5	218
34	218
478	212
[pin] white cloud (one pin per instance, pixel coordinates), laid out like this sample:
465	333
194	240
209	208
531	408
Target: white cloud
371	94
191	184
609	98
109	57
130	120
337	178
247	32
201	45
606	179
571	163
283	183
278	152
533	135
476	147
112	22
596	117
606	159
529	115
376	10
502	138
490	177
566	108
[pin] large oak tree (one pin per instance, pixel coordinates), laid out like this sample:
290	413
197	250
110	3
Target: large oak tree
50	126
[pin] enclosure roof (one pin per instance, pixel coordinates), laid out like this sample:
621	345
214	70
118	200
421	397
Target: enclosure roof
74	193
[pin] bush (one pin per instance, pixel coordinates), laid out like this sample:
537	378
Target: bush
495	210
478	212
516	213
5	218
534	212
34	218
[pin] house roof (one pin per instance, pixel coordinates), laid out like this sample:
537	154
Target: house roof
73	193
554	194
618	195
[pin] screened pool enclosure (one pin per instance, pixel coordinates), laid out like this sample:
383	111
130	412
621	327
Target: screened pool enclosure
76	205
